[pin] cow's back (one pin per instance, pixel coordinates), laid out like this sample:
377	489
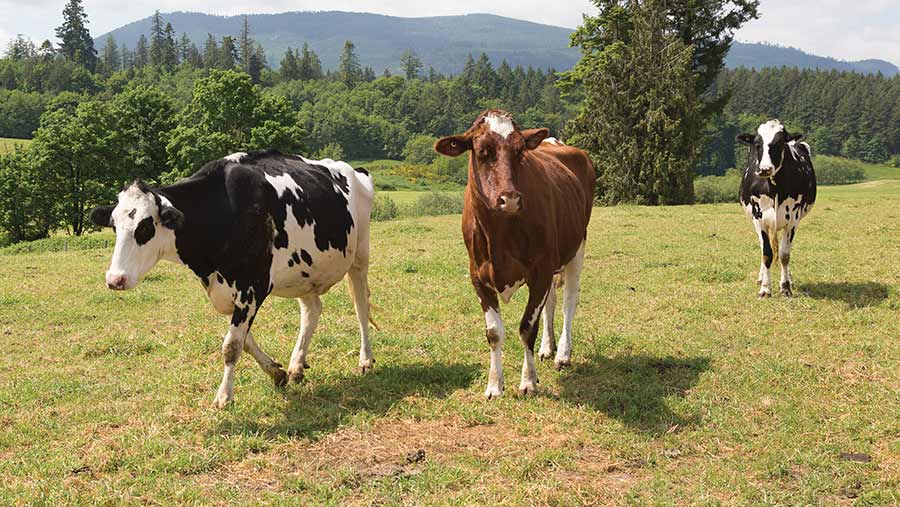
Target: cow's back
314	210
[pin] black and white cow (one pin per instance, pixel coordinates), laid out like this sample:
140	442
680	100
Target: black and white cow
778	189
252	225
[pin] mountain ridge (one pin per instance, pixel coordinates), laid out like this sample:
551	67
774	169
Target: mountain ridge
442	42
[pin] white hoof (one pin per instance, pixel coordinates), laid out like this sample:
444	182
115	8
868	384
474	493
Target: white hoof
493	392
527	387
222	400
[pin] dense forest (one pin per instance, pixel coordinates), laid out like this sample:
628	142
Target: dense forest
161	109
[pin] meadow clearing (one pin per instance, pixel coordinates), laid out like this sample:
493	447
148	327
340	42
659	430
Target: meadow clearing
684	390
8	145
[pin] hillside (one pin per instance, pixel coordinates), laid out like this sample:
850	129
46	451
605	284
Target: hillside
442	42
758	56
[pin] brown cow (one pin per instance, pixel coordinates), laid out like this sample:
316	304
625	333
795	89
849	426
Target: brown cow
527	207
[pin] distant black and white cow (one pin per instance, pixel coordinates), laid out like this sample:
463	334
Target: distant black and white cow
778	189
252	225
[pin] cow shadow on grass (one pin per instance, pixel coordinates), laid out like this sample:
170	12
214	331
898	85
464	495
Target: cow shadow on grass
322	404
853	294
635	389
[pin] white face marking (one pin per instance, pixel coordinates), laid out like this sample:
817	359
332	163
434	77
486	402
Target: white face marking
500	125
768	131
554	141
130	259
236	157
283	184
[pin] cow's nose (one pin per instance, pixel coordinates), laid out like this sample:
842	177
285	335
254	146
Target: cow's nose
510	202
116	282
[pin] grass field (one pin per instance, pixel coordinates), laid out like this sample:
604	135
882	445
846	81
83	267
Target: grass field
685	389
7	145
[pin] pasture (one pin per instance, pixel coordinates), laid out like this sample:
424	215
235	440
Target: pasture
8	145
684	390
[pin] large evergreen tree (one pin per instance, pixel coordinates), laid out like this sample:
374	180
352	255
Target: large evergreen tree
310	67
110	59
141	52
245	46
157	40
641	117
76	43
411	63
350	71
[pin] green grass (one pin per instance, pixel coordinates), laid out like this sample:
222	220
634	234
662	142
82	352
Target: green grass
8	145
685	389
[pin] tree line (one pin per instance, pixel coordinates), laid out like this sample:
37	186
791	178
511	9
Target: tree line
649	100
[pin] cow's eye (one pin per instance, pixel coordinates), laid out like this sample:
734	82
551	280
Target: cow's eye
483	153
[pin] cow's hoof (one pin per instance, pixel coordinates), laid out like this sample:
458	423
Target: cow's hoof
221	401
786	290
295	377
366	366
544	355
561	364
764	295
493	392
279	377
527	388
305	365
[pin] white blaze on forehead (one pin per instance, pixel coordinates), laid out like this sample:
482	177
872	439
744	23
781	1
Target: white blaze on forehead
236	157
769	129
500	125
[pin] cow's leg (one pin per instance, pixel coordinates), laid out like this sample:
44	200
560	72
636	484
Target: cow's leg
310	310
548	339
268	365
538	292
571	290
784	255
765	244
495	334
358	278
232	346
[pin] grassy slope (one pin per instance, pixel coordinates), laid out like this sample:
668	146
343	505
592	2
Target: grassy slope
7	145
685	389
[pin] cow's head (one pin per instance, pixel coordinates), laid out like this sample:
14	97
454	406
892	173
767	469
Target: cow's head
768	148
497	147
145	223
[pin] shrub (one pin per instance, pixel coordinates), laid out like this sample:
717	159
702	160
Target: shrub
384	208
334	151
61	244
838	171
454	170
419	150
438	203
715	189
894	161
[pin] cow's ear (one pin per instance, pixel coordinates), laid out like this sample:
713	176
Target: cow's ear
102	215
453	146
534	137
746	139
171	218
795	138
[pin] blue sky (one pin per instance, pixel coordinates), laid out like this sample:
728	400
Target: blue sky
849	30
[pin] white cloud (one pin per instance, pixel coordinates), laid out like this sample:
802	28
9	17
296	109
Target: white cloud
870	29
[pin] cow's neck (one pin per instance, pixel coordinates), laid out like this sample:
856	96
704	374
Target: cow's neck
198	235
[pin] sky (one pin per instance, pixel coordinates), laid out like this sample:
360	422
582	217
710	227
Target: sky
870	29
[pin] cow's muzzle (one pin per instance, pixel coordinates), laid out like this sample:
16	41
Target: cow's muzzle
116	282
510	202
